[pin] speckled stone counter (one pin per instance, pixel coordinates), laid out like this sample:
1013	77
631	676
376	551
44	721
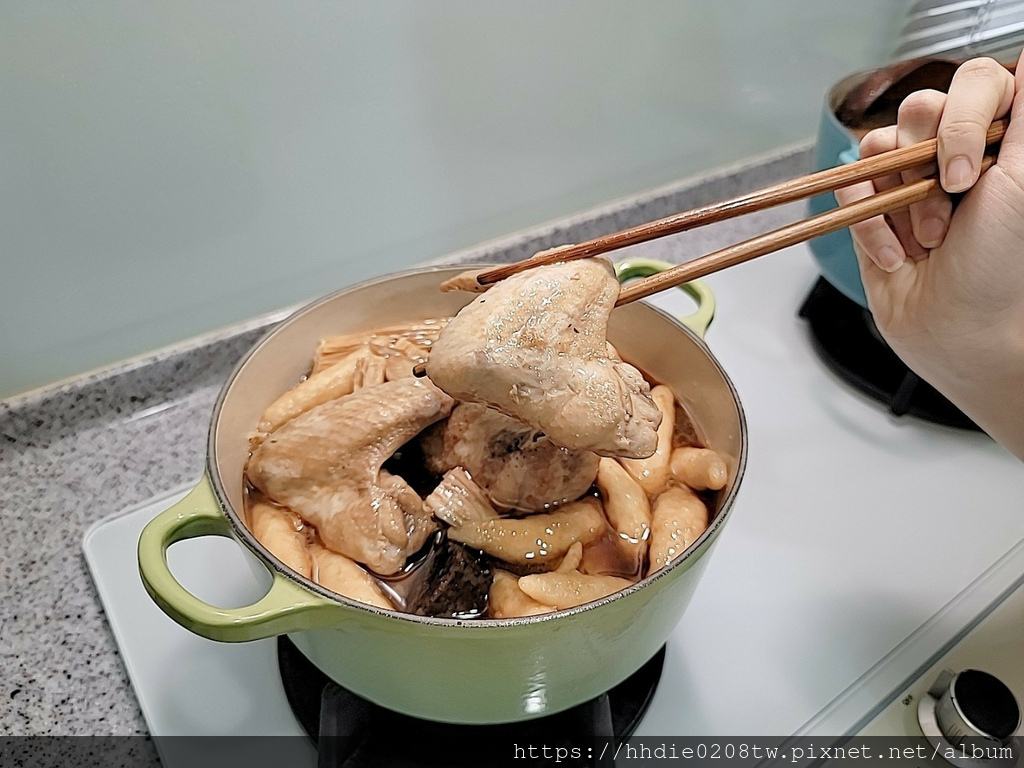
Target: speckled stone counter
80	451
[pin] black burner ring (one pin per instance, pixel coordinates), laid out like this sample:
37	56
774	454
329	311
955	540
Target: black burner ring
844	335
354	732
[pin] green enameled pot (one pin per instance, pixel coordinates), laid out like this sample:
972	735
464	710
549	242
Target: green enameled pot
482	671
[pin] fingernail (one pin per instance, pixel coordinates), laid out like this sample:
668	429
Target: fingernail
888	258
959	174
933	229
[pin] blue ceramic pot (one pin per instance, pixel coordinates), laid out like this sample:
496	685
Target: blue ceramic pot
834	252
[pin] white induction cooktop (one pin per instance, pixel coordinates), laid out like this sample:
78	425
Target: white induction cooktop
861	547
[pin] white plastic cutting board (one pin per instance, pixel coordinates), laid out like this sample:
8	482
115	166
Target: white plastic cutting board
187	685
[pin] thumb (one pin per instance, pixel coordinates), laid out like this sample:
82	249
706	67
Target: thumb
1011	152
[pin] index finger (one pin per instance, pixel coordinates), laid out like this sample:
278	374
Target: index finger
981	91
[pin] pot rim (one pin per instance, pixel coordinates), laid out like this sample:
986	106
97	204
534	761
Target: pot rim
246	537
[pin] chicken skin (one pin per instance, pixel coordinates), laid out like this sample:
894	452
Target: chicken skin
535	348
326	466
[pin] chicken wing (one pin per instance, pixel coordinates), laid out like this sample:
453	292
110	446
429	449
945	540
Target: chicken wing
534	347
326	466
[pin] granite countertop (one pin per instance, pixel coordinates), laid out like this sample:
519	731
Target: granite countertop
85	449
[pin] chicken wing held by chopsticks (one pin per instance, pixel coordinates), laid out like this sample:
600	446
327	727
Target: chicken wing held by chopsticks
535	348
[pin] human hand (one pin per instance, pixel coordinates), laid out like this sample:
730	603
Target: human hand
945	285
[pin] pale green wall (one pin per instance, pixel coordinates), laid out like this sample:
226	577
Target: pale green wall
169	168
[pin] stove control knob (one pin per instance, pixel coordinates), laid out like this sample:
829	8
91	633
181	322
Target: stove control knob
973	716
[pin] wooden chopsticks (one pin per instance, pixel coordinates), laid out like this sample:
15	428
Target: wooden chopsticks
830	221
788	191
785	192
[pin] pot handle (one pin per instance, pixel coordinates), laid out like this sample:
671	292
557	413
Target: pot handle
700	320
287	607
